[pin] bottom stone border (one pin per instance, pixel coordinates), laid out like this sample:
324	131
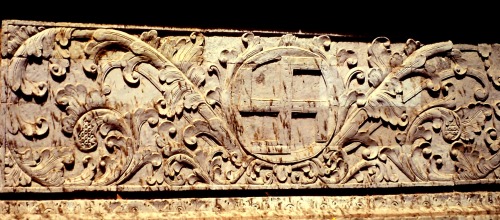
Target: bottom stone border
476	205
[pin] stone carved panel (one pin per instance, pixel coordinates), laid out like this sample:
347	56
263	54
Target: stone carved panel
111	108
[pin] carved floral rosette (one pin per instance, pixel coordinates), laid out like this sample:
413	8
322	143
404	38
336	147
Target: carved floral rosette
165	109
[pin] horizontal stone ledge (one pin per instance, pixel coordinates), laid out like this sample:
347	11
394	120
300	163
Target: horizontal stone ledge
237	187
441	205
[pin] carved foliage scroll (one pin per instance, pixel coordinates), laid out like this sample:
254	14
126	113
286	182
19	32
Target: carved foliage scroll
100	107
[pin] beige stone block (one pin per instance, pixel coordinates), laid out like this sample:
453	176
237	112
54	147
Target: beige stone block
132	108
477	205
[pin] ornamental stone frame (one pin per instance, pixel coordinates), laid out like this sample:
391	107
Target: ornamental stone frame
126	109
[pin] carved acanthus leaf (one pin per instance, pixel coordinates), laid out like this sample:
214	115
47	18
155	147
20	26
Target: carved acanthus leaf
50	43
15	36
184	52
407	113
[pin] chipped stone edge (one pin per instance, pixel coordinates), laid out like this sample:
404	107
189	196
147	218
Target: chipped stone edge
477	205
162	28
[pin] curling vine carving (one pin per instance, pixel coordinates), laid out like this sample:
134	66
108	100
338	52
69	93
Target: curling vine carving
100	107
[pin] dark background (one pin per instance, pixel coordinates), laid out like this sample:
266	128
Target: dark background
428	22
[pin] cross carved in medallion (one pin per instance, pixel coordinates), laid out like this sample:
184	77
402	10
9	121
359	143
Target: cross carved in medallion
287	97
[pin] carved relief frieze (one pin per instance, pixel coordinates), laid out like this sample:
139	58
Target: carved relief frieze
117	108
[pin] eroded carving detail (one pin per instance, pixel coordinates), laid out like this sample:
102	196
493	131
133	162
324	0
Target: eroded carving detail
104	107
441	205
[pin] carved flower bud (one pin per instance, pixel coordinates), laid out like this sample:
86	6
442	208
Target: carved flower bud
459	70
172	131
366	152
106	90
439	161
480	94
89	66
427	151
152	120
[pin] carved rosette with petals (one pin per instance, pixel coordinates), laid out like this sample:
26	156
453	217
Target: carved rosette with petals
104	107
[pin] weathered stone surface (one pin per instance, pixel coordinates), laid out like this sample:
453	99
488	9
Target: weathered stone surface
115	108
422	206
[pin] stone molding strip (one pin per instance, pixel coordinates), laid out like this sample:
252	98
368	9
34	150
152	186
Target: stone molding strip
476	205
